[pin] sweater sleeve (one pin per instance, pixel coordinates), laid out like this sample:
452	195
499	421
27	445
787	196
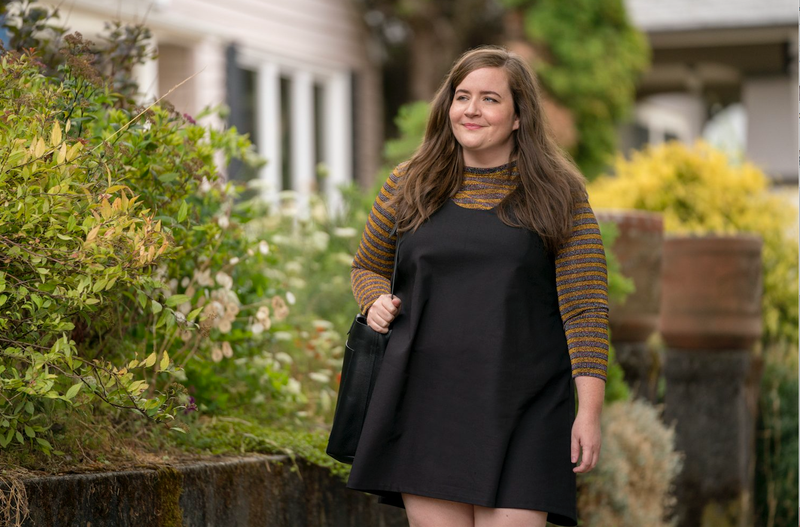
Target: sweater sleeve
371	272
582	284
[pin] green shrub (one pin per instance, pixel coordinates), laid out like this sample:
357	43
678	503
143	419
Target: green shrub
411	120
776	440
619	287
121	251
74	237
172	291
590	58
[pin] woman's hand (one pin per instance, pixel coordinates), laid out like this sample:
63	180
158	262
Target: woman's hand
382	312
586	427
586	440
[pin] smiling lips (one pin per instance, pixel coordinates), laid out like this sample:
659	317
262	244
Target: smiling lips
472	126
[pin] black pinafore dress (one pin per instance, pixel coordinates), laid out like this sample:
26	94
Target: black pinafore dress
475	399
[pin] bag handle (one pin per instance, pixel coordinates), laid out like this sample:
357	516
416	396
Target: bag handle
396	250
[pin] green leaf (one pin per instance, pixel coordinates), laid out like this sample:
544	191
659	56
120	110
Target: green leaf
29	407
55	135
168	177
4	441
3	299
73	390
150	360
176	300
156	307
136	386
164	361
36	300
19	438
29	431
183	212
43	442
193	314
142	298
99	285
163	318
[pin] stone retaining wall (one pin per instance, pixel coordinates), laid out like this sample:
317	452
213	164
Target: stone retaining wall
240	492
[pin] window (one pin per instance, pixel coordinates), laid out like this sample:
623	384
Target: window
303	120
286	133
320	146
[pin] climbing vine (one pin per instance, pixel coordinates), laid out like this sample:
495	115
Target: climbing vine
593	57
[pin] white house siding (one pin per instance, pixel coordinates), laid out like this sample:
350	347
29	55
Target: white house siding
309	41
771	128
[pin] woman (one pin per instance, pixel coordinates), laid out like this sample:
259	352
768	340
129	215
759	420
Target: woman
499	311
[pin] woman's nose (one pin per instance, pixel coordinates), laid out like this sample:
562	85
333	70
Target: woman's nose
472	108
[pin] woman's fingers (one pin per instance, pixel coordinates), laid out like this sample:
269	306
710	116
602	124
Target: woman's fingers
382	312
586	439
589	457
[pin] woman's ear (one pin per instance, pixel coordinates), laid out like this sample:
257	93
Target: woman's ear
516	123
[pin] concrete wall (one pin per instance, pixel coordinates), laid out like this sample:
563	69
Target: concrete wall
244	492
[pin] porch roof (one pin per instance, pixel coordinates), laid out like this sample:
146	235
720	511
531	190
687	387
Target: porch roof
656	16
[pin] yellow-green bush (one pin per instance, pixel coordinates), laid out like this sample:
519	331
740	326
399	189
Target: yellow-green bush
699	190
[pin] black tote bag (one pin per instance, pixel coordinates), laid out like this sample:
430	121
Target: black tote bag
363	355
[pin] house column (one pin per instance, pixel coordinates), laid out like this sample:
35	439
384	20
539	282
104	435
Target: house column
339	138
268	89
208	87
146	76
303	170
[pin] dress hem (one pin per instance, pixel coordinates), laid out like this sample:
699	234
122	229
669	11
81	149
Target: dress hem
391	496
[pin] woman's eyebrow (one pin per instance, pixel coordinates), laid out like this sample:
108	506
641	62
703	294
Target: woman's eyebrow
487	92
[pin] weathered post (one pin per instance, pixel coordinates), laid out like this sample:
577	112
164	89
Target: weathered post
639	248
710	321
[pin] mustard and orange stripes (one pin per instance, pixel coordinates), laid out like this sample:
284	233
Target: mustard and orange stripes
581	273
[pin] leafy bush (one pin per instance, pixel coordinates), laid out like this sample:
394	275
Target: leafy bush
619	287
411	120
592	56
125	258
776	441
74	237
31	26
133	275
632	482
698	190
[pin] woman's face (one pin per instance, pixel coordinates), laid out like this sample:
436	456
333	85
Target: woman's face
482	117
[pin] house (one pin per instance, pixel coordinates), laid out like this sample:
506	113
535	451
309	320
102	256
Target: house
722	68
296	75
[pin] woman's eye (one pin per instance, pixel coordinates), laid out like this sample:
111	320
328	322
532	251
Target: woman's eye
489	99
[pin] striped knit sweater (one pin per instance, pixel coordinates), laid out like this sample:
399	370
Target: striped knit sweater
581	279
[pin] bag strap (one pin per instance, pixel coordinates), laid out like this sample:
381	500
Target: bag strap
396	250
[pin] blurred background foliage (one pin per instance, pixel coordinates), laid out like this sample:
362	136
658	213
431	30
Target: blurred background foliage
589	57
701	190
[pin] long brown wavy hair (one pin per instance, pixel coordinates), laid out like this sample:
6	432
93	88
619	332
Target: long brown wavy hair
550	184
